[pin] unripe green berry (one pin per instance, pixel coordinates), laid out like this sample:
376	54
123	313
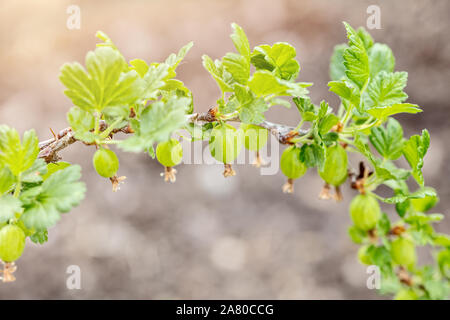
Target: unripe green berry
169	153
12	243
406	294
290	163
335	167
225	143
255	137
403	252
365	212
105	162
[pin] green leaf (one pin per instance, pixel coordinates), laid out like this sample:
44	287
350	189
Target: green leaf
158	122
154	80
279	102
240	41
388	141
387	89
381	58
36	172
345	92
253	112
58	194
53	167
107	42
337	68
312	155
116	117
415	195
39	237
7	179
356	60
264	83
356	234
384	170
140	66
281	56
382	113
9	206
327	122
238	66
104	82
222	77
441	239
414	151
306	108
81	122
365	37
17	155
384	224
174	60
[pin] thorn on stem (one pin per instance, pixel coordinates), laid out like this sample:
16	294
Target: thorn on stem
54	134
228	170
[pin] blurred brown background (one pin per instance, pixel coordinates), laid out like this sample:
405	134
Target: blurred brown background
206	236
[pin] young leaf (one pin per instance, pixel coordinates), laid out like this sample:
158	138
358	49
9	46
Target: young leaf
281	56
422	193
240	41
174	59
17	155
345	92
104	82
238	66
356	60
140	66
264	83
35	173
337	68
382	113
223	78
158	121
365	37
388	141
306	108
39	237
312	155
7	179
253	112
9	206
81	122
381	58
154	80
387	89
58	194
53	167
414	151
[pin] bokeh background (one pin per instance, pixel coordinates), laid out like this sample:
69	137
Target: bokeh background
206	236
